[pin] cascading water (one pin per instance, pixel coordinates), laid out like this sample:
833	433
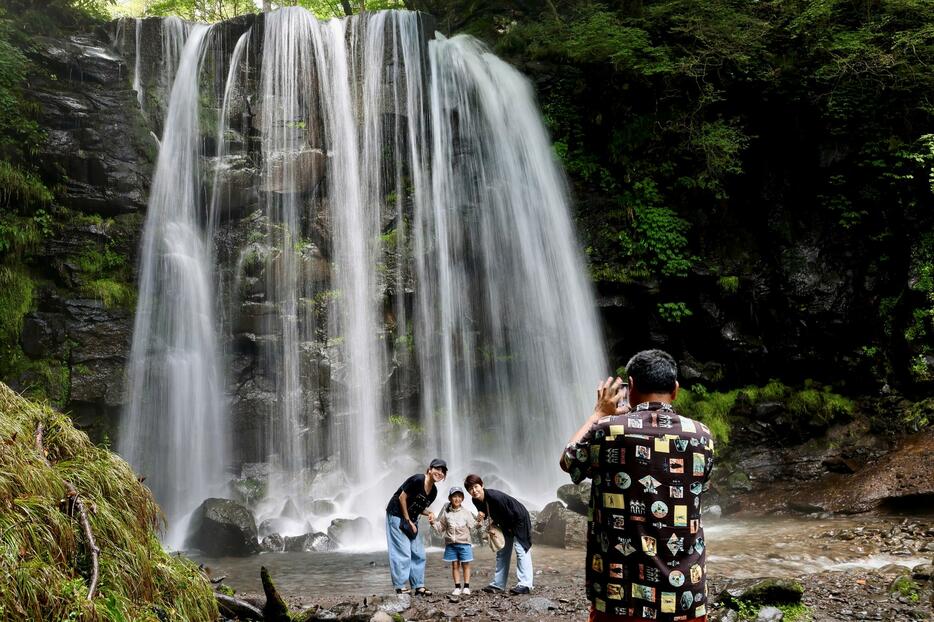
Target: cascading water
507	330
406	281
174	431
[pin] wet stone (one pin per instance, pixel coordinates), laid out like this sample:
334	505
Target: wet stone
770	614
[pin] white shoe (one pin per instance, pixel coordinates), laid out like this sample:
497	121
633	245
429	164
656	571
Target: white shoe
456	592
465	591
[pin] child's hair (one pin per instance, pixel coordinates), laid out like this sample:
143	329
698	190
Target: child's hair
472	479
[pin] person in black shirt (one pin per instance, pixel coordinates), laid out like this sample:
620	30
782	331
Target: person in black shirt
513	519
406	549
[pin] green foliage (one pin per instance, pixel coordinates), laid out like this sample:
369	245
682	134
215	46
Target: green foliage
919	333
735	127
217	10
21	188
673	312
16	291
106	275
728	284
43	554
905	586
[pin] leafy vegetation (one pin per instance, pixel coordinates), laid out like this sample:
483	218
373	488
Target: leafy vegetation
43	556
217	10
706	138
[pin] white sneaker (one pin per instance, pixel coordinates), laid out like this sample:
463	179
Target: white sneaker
457	592
465	591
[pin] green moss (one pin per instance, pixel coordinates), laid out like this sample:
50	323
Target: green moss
716	409
42	548
712	409
796	613
111	293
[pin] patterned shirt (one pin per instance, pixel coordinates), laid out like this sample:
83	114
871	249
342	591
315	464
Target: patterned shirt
645	540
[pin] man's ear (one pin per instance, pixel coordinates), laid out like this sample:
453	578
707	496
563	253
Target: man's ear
674	394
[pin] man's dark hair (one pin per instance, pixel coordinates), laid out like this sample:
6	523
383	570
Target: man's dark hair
653	371
471	480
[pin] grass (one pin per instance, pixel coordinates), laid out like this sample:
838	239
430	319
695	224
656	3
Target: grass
16	292
43	560
111	293
22	187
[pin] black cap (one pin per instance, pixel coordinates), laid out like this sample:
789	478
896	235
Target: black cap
438	463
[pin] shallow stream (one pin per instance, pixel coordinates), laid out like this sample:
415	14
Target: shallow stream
788	546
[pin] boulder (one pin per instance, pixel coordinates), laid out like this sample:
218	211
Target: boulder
576	496
558	526
309	542
346	530
768	591
273	543
222	528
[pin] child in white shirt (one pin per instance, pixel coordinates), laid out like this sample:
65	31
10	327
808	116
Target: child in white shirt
454	523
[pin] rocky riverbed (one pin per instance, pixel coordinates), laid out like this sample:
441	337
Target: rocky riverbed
867	568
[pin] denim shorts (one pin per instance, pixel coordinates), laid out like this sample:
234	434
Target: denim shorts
458	553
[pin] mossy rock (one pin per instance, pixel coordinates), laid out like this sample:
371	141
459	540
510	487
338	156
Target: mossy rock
905	586
43	551
769	591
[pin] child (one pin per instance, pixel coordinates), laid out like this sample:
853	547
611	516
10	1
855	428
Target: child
455	522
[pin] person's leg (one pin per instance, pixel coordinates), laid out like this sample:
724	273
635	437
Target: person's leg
503	559
524	572
456	573
466	567
399	552
417	567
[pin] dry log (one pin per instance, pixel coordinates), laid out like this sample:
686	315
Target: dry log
76	501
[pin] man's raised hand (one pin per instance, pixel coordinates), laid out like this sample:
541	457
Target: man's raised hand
611	396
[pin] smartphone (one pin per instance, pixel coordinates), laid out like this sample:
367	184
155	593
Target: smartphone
625	399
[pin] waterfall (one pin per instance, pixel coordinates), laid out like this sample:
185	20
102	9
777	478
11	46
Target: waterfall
508	336
137	84
406	280
174	431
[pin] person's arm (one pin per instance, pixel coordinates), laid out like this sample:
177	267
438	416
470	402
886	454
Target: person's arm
441	523
404	504
610	394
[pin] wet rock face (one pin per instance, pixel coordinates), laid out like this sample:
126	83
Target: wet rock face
576	496
221	527
97	141
557	526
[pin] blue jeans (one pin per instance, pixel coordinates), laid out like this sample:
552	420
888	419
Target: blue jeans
406	557
523	564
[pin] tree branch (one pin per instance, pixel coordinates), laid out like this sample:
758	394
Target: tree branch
82	514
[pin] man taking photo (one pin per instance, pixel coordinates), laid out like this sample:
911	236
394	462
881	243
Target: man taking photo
649	467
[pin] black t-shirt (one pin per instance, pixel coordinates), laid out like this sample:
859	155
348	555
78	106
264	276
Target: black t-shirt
416	499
